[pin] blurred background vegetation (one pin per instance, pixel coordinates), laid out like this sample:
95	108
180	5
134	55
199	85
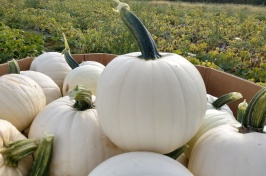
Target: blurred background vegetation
230	37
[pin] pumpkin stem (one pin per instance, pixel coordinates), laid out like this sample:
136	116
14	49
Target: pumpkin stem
226	98
145	41
13	67
69	59
83	98
176	153
241	110
44	154
254	117
17	150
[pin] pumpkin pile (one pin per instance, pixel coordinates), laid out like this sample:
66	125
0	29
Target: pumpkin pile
144	113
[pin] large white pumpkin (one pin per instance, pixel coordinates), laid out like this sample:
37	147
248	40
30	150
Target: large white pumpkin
149	100
140	164
79	143
21	99
224	151
154	105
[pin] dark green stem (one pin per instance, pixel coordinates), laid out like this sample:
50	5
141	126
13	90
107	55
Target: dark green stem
69	59
144	39
176	153
13	67
225	99
83	98
255	115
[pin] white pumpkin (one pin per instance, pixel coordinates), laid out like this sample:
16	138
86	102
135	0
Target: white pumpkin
148	100
216	116
79	144
150	105
8	134
212	119
140	164
234	151
53	64
86	75
49	87
21	99
224	151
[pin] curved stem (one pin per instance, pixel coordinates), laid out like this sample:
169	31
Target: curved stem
69	59
13	67
83	98
225	99
254	117
17	150
146	43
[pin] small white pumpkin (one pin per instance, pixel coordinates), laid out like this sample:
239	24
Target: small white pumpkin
140	164
21	99
86	75
79	144
8	134
53	64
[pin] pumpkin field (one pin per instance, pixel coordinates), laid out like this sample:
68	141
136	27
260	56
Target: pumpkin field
223	36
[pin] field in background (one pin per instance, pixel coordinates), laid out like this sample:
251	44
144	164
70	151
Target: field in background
227	37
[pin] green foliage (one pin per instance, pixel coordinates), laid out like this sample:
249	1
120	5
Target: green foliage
16	43
222	36
251	2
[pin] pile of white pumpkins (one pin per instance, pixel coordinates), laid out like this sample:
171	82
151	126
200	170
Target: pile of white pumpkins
124	119
143	129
